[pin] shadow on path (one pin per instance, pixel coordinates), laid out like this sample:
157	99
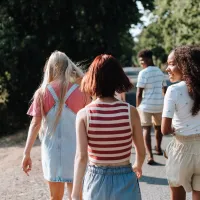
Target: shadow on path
157	164
153	180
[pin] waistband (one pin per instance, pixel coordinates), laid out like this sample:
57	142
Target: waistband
109	170
189	138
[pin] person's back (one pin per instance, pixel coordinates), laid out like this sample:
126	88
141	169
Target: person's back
152	80
109	130
106	129
54	109
61	140
151	85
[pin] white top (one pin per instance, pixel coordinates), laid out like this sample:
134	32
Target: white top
178	105
152	80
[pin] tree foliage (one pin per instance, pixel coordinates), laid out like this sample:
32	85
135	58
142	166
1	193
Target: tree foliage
175	23
31	30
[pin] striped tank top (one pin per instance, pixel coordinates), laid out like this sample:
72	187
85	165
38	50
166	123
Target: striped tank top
109	132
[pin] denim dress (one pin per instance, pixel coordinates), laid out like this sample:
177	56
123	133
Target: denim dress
58	146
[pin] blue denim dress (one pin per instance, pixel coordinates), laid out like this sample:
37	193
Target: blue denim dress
58	146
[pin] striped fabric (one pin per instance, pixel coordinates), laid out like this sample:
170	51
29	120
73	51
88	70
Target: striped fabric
109	132
152	80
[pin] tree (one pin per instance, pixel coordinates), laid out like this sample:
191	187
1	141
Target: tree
151	38
31	30
175	23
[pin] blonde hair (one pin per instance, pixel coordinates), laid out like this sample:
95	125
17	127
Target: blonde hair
60	68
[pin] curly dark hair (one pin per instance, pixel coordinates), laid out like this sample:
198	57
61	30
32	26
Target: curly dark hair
187	59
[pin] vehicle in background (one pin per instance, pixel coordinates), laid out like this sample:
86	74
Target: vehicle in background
132	73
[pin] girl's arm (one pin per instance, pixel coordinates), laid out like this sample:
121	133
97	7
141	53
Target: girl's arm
81	153
139	96
166	127
32	135
138	142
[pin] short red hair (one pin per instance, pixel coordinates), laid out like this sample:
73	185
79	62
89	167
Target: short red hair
105	76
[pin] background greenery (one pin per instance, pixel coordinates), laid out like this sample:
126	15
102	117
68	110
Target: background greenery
173	23
31	29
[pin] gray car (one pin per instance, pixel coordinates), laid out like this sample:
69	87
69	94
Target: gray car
132	73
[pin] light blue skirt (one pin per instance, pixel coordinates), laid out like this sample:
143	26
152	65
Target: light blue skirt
111	183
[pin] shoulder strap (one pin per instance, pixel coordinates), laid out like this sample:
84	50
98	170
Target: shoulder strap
53	93
69	92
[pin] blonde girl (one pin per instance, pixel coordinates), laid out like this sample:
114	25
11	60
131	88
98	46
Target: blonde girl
53	112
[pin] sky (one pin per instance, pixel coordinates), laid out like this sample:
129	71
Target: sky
135	30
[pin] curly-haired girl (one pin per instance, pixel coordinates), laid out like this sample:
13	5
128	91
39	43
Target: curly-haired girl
181	116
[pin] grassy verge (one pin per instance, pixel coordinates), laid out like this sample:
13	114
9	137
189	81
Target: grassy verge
15	139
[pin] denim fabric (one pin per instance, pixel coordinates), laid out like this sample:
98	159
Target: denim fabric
111	183
58	147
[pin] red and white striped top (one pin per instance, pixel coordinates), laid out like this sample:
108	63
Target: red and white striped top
109	132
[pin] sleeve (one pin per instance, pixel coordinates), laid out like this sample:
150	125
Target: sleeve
169	103
35	108
142	80
78	100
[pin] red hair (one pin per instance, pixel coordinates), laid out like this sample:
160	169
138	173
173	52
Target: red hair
105	77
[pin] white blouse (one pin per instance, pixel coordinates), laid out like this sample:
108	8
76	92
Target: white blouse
178	105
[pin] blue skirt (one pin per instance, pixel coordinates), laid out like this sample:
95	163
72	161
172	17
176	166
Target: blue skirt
111	183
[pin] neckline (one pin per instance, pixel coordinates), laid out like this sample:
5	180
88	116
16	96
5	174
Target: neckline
181	82
103	102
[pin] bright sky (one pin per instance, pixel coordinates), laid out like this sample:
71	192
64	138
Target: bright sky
136	29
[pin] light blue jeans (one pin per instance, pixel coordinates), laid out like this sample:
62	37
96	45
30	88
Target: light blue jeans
111	183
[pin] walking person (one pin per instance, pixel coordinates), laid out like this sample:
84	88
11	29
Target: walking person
105	131
53	112
151	87
181	117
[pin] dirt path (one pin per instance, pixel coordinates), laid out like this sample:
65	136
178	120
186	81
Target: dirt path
14	184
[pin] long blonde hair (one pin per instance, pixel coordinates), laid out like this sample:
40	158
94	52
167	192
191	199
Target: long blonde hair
60	68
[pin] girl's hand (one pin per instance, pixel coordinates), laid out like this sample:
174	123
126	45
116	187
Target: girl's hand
138	170
173	131
26	164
